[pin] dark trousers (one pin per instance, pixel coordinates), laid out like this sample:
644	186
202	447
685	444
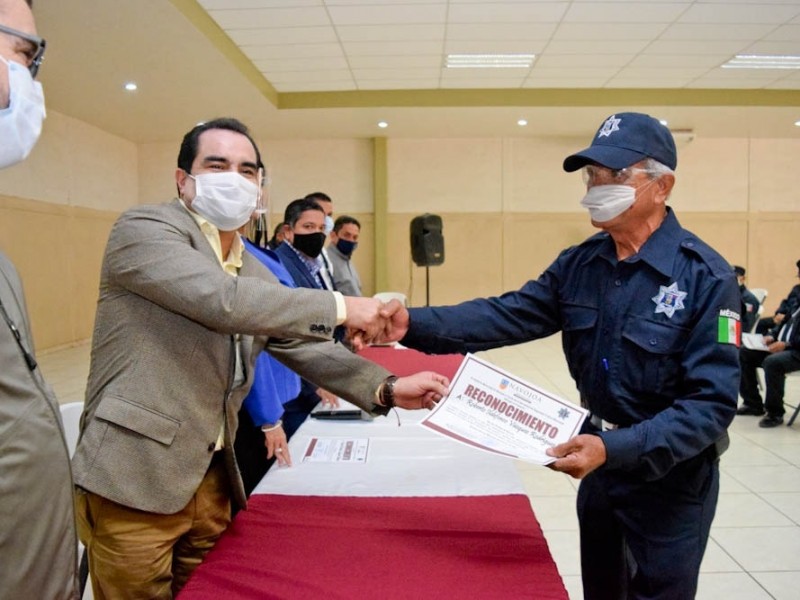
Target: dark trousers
646	539
251	453
775	366
296	411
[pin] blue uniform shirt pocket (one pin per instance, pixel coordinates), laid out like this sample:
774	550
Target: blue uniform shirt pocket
652	354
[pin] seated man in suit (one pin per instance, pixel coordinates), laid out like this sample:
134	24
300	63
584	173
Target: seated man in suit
786	308
782	357
750	303
304	236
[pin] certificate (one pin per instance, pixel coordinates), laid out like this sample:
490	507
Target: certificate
345	450
491	409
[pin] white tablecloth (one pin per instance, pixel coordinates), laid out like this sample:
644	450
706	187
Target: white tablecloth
403	461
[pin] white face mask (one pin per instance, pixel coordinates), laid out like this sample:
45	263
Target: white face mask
328	224
608	201
21	121
225	199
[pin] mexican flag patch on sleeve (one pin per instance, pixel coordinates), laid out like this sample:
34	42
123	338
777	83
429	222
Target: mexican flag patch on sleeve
729	328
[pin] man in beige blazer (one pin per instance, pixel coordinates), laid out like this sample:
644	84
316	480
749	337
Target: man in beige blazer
181	316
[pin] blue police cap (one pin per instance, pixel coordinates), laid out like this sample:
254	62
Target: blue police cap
625	139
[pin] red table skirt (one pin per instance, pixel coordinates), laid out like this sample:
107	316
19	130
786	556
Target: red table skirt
407	362
309	547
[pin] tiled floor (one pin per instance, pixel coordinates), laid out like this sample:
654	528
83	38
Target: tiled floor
754	551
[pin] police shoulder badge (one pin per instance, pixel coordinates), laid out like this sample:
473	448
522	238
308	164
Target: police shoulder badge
669	299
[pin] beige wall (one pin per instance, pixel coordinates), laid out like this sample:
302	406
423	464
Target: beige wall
507	207
56	210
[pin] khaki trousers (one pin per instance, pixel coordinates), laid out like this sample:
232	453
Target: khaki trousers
140	555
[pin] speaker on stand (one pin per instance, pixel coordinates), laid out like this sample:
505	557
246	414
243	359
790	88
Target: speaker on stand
427	246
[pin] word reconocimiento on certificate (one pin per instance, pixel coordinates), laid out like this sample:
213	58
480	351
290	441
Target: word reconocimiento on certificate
493	410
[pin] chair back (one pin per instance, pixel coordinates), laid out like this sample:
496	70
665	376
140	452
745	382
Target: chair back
759	293
386	296
71	417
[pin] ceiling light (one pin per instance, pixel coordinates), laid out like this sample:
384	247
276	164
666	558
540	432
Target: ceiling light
383	124
797	123
131	86
522	122
489	61
762	61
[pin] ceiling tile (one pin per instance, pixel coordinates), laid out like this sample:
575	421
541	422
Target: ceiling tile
702	32
390	14
270	17
609	31
305	76
317	86
583	61
485	74
585	82
500	31
665	73
784	33
277	35
400	84
657	82
496	47
659	61
302	64
610	46
380	2
473	83
601	73
696	48
292	51
391	33
234	4
752	12
391	62
507	12
367	74
624	12
785	48
391	48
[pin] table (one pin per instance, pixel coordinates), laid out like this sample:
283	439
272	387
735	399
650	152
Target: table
424	517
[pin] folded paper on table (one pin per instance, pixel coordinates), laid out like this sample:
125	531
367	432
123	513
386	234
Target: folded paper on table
491	409
754	341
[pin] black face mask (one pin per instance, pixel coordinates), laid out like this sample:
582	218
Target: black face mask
346	247
309	244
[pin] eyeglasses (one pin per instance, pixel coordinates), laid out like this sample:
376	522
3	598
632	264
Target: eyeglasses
35	52
597	175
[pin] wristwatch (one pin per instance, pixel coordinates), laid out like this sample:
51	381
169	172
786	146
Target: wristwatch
387	391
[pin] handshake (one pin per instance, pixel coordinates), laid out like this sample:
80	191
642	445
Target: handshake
370	321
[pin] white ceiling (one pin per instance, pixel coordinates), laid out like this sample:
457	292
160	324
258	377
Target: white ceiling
333	68
321	45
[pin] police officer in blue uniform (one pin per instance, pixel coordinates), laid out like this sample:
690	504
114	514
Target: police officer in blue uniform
649	317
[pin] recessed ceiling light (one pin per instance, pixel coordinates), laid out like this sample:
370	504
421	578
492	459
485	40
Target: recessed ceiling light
763	61
383	124
131	86
797	123
522	122
489	61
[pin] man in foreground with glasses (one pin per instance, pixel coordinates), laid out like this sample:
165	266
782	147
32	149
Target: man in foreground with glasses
38	546
649	319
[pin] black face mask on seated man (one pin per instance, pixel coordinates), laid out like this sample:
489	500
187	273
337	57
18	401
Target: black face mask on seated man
309	244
